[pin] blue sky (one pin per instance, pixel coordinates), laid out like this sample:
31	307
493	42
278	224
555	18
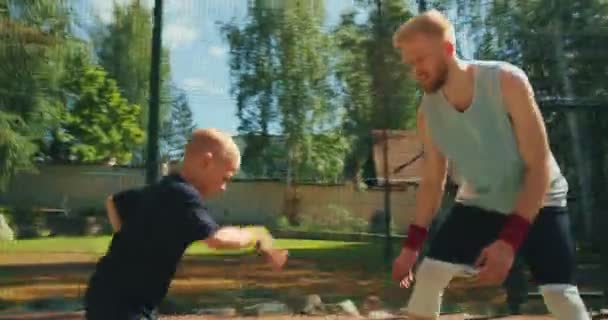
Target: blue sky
199	55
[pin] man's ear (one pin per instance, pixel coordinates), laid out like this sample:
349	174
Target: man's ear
449	48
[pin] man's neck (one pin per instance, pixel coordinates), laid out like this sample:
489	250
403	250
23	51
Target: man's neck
457	75
459	86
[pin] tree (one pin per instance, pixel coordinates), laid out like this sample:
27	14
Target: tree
34	39
177	128
124	48
99	124
280	67
16	149
308	114
376	91
253	68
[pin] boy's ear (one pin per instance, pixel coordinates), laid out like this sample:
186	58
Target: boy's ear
206	159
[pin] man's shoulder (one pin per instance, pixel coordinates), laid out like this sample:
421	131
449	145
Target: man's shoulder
504	68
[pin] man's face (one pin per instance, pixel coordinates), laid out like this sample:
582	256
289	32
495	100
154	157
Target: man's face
427	58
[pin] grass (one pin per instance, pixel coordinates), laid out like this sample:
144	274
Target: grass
98	245
328	255
60	266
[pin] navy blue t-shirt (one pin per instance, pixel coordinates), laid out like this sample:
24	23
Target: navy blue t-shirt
159	222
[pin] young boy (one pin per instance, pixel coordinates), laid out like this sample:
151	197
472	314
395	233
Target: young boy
155	224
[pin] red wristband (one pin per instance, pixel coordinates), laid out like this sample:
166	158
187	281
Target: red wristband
416	235
515	230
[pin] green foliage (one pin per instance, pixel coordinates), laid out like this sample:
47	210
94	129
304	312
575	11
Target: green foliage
26	221
281	70
177	128
16	148
93	211
323	157
99	123
124	50
34	38
308	113
333	219
6	232
376	90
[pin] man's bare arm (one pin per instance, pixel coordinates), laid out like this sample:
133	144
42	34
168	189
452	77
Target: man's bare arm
113	214
432	184
532	140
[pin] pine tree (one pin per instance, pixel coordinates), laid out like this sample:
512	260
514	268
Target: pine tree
177	128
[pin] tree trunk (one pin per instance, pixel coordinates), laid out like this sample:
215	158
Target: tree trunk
291	197
422	5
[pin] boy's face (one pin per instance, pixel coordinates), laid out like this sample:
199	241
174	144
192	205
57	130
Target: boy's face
216	172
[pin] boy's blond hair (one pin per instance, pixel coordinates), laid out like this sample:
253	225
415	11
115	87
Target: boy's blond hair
432	23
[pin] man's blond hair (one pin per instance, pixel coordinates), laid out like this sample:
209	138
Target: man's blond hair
432	23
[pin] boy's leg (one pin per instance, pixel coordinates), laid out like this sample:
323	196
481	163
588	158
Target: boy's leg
142	313
550	253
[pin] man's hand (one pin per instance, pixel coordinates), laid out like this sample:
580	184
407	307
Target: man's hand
494	263
402	267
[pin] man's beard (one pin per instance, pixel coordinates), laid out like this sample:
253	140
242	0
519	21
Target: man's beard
437	83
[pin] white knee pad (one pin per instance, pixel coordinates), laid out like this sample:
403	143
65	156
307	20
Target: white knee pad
564	302
432	277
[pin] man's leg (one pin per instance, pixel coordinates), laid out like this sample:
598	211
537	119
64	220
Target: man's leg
456	246
432	277
550	253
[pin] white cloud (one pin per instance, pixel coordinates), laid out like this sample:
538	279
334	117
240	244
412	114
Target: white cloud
176	35
217	51
104	8
203	86
176	32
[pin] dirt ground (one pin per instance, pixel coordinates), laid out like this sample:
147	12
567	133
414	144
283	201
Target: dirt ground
210	281
78	316
66	275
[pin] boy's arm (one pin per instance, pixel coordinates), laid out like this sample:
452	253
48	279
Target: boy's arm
121	205
257	237
230	237
113	216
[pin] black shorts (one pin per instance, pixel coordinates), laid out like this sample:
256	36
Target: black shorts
548	249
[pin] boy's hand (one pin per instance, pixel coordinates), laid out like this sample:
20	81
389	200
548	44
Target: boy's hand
264	246
261	237
276	258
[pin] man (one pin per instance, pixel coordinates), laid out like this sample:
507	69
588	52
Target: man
482	116
154	226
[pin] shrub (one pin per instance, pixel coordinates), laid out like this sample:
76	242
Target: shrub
334	218
27	222
6	232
